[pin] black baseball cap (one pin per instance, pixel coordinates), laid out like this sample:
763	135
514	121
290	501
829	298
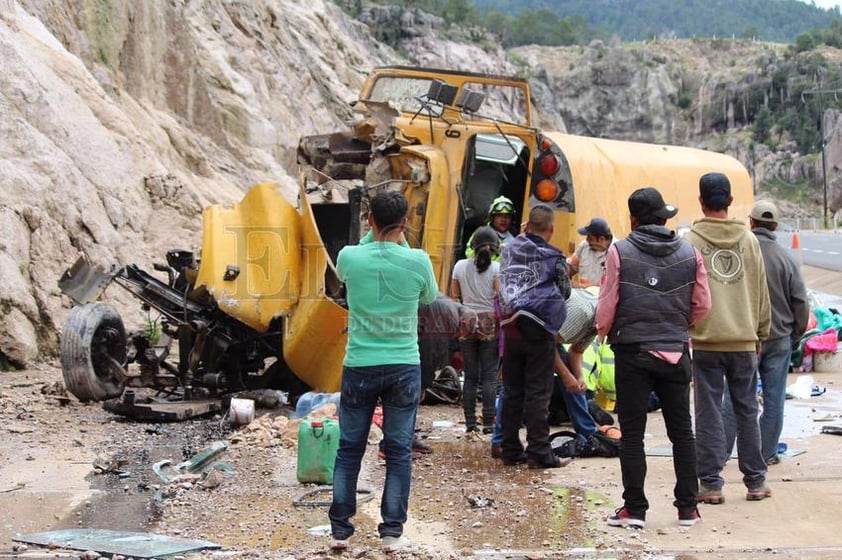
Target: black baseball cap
647	203
597	227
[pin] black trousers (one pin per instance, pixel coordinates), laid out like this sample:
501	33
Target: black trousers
528	357
637	375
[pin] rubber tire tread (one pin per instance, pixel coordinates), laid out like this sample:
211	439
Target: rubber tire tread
77	366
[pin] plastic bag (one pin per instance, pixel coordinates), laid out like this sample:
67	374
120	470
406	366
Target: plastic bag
802	388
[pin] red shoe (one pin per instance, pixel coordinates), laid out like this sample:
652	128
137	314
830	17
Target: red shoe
688	517
622	518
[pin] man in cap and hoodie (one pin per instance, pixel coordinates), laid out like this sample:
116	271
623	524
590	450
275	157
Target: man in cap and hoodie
588	260
790	313
727	341
646	317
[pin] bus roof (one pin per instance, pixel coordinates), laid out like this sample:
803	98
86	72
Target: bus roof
606	172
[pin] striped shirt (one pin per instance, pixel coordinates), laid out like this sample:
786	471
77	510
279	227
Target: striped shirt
579	328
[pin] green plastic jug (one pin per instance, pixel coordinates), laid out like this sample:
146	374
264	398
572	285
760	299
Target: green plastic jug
318	442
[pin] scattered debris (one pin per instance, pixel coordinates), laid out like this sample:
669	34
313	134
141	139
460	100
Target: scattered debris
18	486
126	543
478	501
212	479
319	531
834	430
196	466
17	428
308	499
115	466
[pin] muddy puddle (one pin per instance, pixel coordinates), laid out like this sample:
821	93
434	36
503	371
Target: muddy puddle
462	500
523	506
127	494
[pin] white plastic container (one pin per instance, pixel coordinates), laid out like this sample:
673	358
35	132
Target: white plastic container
241	411
828	362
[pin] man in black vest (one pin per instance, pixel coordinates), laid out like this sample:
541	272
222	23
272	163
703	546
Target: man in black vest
655	287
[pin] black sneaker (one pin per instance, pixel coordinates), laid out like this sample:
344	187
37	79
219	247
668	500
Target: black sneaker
512	461
553	463
419	447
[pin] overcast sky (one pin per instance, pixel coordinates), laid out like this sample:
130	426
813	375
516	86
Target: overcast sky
825	3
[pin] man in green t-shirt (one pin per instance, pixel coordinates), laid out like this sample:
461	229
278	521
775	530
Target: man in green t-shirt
386	281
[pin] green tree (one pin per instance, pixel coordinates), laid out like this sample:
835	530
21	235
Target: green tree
762	125
751	32
459	11
498	23
805	42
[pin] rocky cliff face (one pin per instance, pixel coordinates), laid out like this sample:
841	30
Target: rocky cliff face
121	120
701	93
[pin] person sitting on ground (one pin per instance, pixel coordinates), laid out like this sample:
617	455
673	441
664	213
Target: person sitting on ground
588	260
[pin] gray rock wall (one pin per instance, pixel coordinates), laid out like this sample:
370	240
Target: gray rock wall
122	120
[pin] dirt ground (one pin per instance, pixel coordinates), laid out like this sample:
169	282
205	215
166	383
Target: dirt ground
48	480
64	465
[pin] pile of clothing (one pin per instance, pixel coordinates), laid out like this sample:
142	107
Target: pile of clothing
822	335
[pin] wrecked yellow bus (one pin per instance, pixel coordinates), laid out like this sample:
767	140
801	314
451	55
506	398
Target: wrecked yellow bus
264	307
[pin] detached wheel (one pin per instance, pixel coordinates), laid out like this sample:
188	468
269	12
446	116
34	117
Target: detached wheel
93	351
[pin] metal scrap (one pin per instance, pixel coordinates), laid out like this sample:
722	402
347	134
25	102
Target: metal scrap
197	465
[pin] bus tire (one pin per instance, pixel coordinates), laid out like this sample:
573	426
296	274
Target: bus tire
92	338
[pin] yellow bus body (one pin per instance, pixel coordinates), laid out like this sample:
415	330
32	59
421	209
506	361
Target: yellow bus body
450	161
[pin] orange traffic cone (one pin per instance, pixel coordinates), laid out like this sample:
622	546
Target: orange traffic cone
796	246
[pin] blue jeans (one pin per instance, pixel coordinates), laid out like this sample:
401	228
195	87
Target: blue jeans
481	365
773	367
497	434
711	371
577	405
580	415
398	388
638	373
